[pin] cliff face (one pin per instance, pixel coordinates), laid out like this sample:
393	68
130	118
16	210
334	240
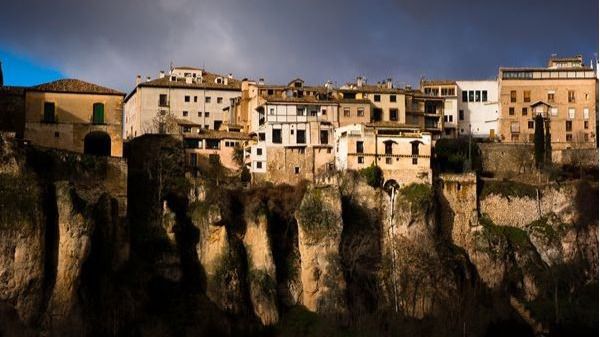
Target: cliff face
194	254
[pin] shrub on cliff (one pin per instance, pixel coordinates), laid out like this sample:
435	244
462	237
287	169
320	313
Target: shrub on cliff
451	155
419	196
315	217
508	189
373	174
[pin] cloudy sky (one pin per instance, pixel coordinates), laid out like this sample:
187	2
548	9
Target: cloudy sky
110	41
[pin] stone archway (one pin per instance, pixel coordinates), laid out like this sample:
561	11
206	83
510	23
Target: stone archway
390	185
97	143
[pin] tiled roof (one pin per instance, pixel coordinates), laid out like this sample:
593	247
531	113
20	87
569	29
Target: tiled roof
75	86
438	82
369	88
214	134
303	99
208	82
12	90
354	100
186	122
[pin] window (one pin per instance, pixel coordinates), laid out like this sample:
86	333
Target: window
199	113
195	99
292	131
511	111
484	96
377	98
530	124
98	113
187	129
162	100
300	111
206	127
569	137
392	98
388	147
415	152
523	111
276	136
49	112
554	111
586	137
207	99
527	96
361	160
393	114
301	137
56	134
324	137
323	112
465	96
571	113
259	164
586	113
271	111
477	96
471	96
186	98
360	112
551	97
270	92
185	113
360	148
571	96
450	118
388	161
513	96
219	100
206	114
296	169
261	136
346	112
259	151
313	112
586	124
461	115
569	126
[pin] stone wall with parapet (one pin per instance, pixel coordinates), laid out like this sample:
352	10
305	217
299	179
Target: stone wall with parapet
505	160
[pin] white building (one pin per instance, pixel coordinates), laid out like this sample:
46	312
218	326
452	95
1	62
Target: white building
184	93
478	108
294	137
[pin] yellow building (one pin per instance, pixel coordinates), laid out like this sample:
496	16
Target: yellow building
563	92
74	115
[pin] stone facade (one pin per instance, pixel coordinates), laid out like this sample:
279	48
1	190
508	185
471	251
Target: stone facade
59	115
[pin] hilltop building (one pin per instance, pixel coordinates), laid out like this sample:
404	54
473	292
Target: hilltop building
191	93
564	92
448	91
74	115
478	108
403	153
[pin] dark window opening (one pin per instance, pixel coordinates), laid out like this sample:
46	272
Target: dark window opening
301	137
97	143
98	113
276	136
49	112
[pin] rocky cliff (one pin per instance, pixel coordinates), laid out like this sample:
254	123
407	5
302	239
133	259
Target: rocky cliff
97	247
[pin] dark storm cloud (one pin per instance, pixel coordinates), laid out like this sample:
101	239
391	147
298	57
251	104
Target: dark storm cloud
111	41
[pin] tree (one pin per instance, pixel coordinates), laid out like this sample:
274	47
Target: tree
539	141
548	143
373	174
164	122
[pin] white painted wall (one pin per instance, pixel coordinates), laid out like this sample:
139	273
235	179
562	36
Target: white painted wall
482	116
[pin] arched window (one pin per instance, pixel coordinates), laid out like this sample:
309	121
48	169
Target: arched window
98	113
415	151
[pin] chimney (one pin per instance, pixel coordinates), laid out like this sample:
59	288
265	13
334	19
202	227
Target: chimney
261	81
147	78
230	76
161	74
138	79
389	84
359	81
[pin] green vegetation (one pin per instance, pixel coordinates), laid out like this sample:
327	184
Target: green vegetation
316	219
514	236
373	174
508	189
245	176
452	155
539	140
544	228
420	196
